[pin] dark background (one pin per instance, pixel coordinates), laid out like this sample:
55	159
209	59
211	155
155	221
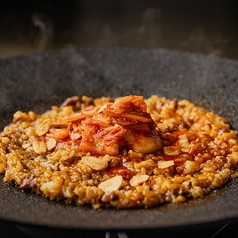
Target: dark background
205	26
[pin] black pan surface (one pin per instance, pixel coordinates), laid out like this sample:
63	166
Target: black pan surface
37	81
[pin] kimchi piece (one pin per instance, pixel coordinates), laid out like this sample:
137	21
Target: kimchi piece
111	128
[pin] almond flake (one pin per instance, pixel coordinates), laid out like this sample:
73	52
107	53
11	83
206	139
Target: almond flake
26	145
96	163
138	179
171	150
111	184
51	143
39	147
183	142
165	164
43	128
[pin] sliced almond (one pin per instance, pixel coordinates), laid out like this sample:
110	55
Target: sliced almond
96	163
43	128
111	184
190	167
183	142
19	115
165	164
138	179
39	147
5	140
26	145
51	143
172	150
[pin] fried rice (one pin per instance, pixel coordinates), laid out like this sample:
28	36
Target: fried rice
119	152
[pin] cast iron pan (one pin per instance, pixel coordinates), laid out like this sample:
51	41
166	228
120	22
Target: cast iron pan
37	81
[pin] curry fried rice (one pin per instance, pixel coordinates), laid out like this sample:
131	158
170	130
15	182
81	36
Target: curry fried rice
119	152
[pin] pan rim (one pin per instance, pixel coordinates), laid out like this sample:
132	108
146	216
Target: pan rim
129	53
